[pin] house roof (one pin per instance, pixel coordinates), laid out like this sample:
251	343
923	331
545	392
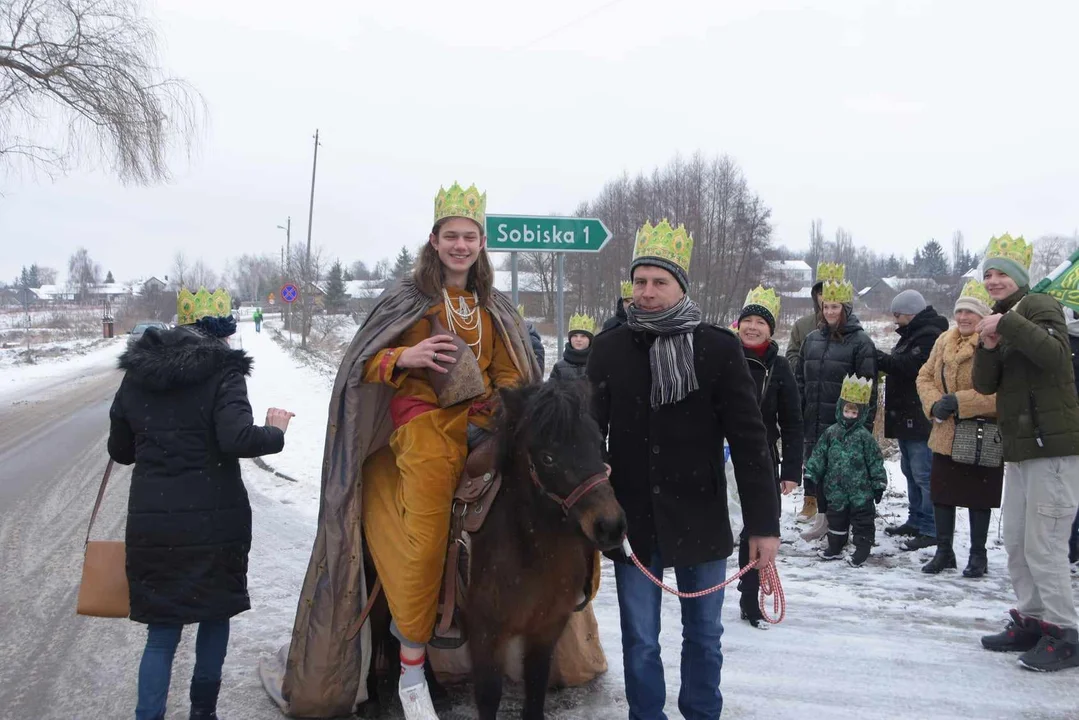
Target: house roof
365	289
789	265
805	293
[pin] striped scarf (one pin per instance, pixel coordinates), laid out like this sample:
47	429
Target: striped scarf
671	356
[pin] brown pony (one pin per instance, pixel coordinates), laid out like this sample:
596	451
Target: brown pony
533	557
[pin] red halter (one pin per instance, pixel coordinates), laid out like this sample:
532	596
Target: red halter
566	503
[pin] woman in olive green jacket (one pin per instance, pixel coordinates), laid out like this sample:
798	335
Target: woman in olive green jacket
1025	358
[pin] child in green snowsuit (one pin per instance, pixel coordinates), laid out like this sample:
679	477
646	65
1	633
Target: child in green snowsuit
848	464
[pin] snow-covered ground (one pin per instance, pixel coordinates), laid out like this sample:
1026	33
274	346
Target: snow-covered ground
60	361
883	641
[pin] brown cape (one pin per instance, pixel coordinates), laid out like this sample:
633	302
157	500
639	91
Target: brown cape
322	672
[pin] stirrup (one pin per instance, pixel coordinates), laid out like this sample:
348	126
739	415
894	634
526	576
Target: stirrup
449	642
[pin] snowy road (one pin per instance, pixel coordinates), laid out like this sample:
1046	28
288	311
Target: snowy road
881	642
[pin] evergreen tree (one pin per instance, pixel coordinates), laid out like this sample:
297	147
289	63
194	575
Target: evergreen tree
346	275
108	278
932	262
403	265
335	289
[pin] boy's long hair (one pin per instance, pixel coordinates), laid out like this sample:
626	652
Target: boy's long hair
428	271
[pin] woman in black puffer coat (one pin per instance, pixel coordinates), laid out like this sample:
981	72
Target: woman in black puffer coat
182	417
575	356
839	347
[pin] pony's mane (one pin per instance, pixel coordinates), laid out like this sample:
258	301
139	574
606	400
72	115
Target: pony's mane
548	410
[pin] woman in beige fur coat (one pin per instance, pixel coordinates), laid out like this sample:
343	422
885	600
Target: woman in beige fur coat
946	389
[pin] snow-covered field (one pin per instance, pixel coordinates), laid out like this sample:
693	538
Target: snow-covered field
883	641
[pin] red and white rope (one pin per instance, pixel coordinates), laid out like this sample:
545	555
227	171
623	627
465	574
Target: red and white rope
770	585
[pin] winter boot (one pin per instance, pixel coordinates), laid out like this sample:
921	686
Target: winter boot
1058	649
904	530
944	559
1021	634
860	555
809	509
204	699
834	551
817	530
921	542
978	564
751	611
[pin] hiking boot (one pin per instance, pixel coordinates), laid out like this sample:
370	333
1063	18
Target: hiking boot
204	699
920	542
817	530
1021	634
808	511
416	702
904	530
861	554
977	564
1058	649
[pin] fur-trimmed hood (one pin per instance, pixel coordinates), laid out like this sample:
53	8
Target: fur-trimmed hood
179	357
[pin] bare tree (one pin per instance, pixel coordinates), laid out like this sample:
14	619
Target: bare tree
179	270
201	275
46	275
82	274
1049	251
310	270
96	62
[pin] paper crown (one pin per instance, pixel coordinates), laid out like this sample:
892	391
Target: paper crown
627	290
458	202
1014	249
831	271
765	298
856	390
582	323
521	310
664	242
837	292
976	290
193	306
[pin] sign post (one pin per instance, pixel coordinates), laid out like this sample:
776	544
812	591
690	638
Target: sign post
289	294
545	233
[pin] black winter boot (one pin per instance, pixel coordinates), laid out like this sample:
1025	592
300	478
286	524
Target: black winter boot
1021	634
944	559
860	555
978	564
834	551
1058	649
204	699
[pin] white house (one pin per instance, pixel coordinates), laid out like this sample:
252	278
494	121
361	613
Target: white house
792	273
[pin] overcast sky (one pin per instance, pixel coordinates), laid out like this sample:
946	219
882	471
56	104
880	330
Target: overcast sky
899	121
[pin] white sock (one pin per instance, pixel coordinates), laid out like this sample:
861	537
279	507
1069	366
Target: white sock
412	672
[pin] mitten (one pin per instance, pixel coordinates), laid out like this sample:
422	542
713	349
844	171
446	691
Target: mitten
878	496
945	407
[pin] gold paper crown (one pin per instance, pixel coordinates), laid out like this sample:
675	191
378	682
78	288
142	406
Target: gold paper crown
458	202
976	290
582	323
856	390
193	306
627	290
766	298
1015	249
664	242
838	292
831	271
521	310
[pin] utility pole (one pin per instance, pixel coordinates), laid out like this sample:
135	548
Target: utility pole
306	298
286	271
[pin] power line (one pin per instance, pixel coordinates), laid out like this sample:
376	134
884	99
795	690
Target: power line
569	24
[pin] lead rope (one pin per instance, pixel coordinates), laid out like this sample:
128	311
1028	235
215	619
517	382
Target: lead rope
770	586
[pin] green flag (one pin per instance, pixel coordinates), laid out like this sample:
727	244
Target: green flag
1063	283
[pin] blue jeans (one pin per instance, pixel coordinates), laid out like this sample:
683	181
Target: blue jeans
155	671
702	630
916	462
258	326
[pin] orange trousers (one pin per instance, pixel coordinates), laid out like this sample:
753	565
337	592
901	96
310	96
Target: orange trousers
408	491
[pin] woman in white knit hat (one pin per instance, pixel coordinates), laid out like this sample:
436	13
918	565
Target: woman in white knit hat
946	389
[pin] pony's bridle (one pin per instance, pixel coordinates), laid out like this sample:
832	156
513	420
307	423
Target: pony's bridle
567	503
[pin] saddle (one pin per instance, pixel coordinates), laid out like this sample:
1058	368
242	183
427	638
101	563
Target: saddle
476	492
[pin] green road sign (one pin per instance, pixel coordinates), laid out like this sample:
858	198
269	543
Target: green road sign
544	232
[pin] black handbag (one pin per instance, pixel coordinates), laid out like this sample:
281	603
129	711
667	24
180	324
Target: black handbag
977	440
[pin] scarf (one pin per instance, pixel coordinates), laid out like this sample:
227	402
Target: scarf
575	357
671	355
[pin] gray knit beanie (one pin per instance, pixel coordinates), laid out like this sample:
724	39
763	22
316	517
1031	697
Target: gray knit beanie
908	302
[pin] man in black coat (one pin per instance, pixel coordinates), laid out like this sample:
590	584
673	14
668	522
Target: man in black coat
619	317
1073	337
182	417
918	326
668	389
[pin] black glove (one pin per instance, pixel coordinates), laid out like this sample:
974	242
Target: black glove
945	407
878	496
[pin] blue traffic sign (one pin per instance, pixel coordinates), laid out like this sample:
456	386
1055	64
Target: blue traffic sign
289	293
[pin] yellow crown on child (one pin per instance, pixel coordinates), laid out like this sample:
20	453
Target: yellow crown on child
521	310
582	323
831	271
627	290
194	306
856	390
1014	249
458	202
837	292
664	242
765	298
976	290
